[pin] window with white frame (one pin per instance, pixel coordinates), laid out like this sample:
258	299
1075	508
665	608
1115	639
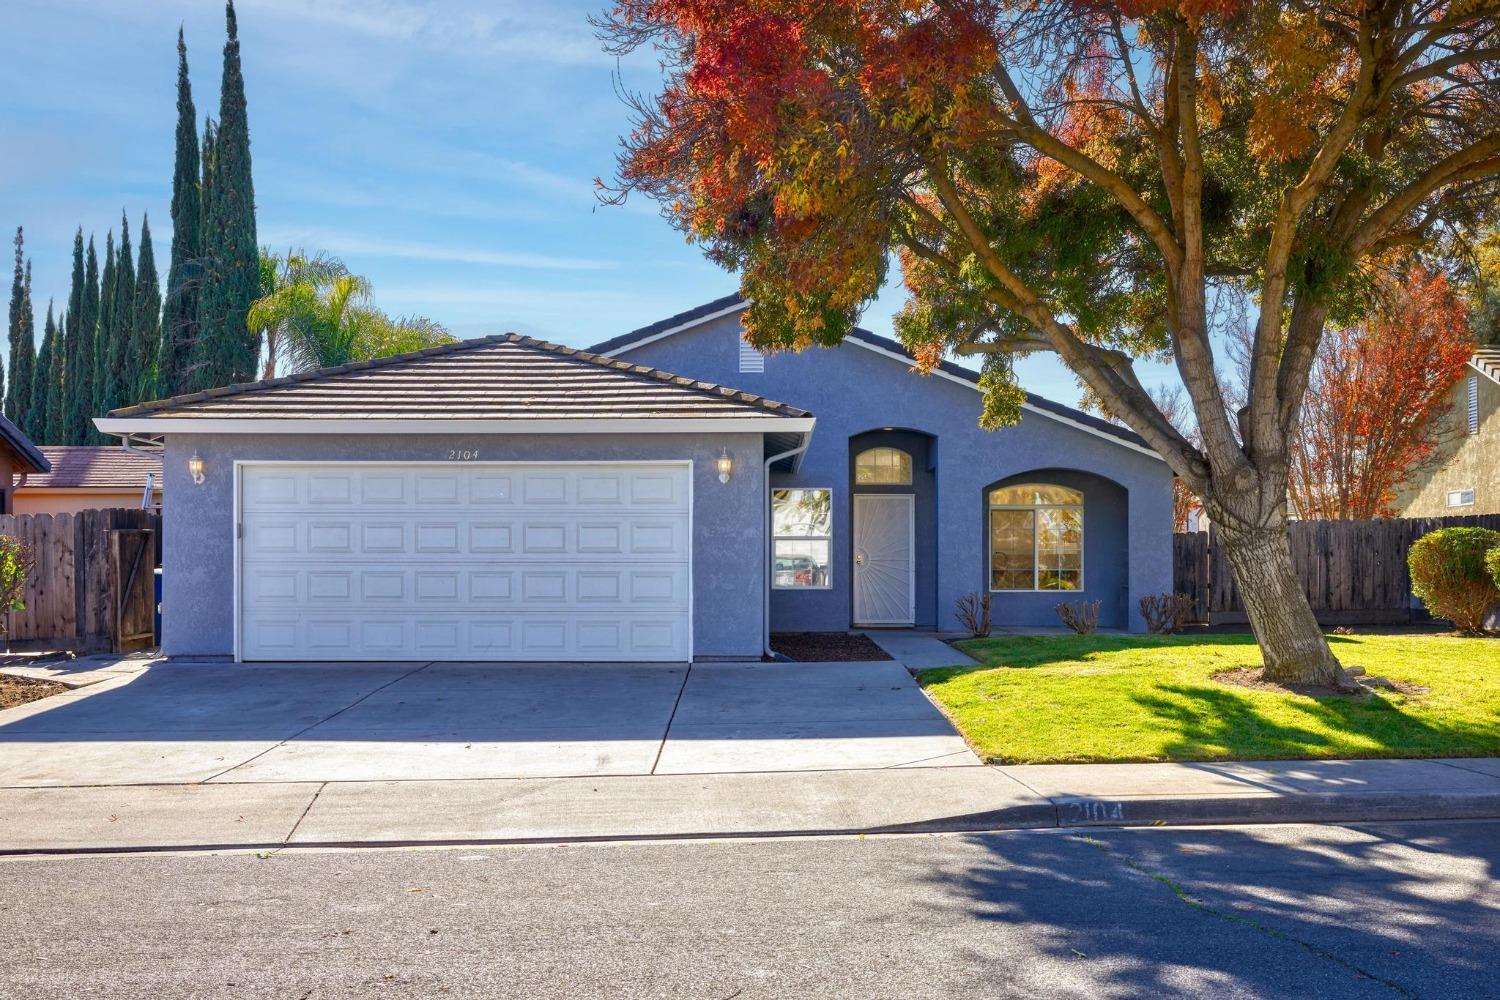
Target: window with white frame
1036	537
882	467
1461	498
801	539
1473	390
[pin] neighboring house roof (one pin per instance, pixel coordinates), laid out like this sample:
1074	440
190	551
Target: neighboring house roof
1487	363
864	338
95	467
506	377
32	459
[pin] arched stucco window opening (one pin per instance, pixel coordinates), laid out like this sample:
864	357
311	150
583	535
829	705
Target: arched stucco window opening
1035	537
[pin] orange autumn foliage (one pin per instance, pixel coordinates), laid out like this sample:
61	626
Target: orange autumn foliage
1374	405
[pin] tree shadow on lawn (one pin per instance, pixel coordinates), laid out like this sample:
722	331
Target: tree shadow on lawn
1027	651
1215	725
1390	910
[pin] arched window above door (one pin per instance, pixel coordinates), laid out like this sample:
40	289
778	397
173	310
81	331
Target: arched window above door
882	467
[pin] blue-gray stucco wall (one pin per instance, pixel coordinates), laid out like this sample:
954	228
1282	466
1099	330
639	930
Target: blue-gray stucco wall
198	523
852	390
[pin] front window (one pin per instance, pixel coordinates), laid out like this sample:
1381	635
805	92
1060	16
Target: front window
882	467
1036	538
801	529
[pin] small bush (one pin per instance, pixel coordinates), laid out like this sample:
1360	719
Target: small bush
1166	613
973	613
1080	616
1449	574
15	567
1492	563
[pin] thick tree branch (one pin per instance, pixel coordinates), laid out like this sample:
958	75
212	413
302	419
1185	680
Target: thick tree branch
1023	125
1124	399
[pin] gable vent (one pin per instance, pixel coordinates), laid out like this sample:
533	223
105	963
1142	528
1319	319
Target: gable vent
751	360
1473	400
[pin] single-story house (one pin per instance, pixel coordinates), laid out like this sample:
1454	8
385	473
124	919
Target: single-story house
91	477
509	499
19	460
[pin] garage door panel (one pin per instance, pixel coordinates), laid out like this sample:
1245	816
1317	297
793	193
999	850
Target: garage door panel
498	562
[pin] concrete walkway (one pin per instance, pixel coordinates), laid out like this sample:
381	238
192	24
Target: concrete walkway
154	757
162	723
274	815
919	650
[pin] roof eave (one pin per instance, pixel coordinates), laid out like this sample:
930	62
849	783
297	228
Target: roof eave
155	426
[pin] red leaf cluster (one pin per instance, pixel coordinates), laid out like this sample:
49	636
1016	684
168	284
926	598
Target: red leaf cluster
1372	417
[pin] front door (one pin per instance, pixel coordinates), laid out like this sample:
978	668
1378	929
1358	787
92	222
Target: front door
884	559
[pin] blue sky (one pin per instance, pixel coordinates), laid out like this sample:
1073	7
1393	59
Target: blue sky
446	151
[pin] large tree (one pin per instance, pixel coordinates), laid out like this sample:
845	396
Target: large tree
70	340
22	331
227	349
314	314
1081	178
114	381
40	404
145	333
179	323
1378	392
81	362
99	355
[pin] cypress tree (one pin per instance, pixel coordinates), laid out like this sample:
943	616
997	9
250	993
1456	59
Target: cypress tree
81	374
179	323
70	342
99	357
227	349
41	393
116	384
18	370
55	377
146	333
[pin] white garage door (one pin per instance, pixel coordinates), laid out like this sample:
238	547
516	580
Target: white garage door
465	562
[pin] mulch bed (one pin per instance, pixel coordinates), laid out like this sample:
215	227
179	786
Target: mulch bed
826	647
19	690
1251	677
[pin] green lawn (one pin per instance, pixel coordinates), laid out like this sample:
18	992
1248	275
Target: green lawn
1059	699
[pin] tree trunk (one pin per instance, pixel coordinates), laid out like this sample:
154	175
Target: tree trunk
1294	647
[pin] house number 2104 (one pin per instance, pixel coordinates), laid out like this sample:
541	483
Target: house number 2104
463	455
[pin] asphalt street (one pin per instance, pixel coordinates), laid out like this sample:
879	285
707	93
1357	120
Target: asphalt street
1401	910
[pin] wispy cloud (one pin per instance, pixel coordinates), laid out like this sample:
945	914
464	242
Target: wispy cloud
344	244
533	31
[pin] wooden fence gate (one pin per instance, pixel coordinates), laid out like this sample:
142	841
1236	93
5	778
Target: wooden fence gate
1354	572
93	583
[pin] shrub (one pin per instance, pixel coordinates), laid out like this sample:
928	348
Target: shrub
1166	613
973	613
15	567
1080	616
1492	563
1448	572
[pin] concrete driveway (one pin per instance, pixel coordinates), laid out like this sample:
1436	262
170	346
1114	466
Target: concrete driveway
177	723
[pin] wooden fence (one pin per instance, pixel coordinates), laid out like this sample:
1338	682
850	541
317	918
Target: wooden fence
1354	572
92	586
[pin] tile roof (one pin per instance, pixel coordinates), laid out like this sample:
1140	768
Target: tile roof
502	377
18	442
874	339
1487	361
671	322
104	467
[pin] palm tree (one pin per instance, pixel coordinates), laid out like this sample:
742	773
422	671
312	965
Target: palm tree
315	314
292	289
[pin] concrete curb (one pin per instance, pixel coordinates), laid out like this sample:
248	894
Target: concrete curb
1361	807
1066	813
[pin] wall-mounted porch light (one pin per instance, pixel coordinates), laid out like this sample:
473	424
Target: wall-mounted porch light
725	464
195	468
